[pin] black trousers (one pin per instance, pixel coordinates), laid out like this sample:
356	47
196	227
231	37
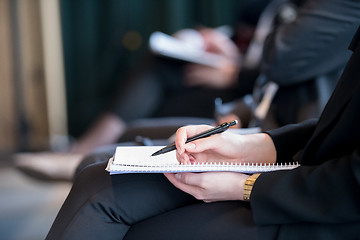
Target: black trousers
144	206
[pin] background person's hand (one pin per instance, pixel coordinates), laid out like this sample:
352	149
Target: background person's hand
222	76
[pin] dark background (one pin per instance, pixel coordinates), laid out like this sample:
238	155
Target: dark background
96	58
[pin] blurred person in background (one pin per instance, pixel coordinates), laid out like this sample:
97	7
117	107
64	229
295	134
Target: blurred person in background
299	34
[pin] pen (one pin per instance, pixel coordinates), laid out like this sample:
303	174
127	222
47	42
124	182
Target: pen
219	129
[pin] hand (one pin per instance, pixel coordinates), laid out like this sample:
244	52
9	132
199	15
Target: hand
224	147
210	186
217	148
222	76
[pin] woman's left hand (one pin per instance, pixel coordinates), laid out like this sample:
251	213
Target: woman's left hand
210	186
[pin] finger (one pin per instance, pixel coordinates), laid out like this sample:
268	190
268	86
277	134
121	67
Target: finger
189	178
183	133
177	180
183	158
180	139
203	144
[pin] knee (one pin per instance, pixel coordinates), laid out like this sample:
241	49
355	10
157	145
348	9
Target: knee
91	177
97	158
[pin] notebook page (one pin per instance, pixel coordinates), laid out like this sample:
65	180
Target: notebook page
141	155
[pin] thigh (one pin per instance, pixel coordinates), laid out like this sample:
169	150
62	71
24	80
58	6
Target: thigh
99	203
220	220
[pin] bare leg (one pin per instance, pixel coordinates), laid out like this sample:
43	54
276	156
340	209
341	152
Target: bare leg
105	131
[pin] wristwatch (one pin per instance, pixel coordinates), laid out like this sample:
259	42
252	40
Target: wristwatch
249	183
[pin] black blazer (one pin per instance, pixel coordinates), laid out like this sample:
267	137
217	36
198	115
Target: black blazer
320	199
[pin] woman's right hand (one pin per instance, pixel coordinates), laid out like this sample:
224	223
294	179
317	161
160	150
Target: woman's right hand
224	147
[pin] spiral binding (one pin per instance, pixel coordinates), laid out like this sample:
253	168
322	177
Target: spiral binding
199	167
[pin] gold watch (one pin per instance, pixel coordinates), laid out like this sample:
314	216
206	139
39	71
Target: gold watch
249	183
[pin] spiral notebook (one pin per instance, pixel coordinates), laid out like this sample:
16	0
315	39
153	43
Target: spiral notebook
138	159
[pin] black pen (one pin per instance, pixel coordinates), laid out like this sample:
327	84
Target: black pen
219	129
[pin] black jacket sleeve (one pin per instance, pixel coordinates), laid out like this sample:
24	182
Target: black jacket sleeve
286	144
329	193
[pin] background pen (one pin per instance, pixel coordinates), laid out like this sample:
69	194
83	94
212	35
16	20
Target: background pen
219	129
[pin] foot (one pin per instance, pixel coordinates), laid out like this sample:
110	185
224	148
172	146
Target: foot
47	165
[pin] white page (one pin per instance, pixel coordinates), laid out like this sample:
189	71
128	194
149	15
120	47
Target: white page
141	155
